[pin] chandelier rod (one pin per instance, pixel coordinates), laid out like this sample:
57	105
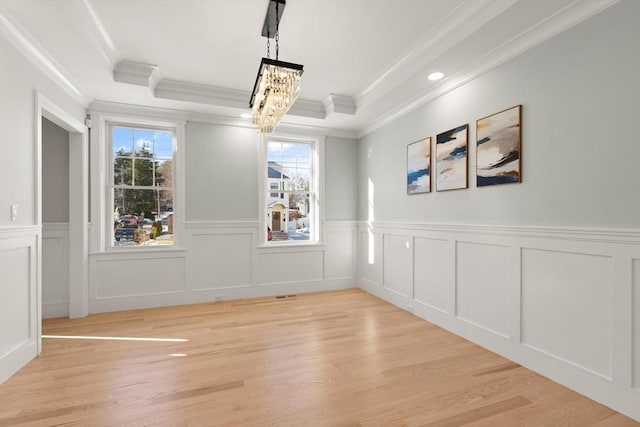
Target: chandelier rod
277	31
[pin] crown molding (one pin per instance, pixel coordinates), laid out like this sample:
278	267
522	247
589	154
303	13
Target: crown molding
460	23
234	98
335	103
85	17
283	127
569	16
303	130
137	73
405	75
31	50
307	108
122	109
202	94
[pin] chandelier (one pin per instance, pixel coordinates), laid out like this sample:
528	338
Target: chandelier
277	84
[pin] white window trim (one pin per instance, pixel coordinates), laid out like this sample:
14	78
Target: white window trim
103	157
317	234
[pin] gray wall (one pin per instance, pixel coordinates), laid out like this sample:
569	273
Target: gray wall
222	174
55	173
18	80
341	179
581	104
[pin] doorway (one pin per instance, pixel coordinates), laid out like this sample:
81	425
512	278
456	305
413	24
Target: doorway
78	184
55	220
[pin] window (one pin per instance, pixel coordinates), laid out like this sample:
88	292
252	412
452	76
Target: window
274	186
142	185
292	171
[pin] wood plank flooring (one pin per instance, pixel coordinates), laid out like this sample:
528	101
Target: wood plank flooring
340	358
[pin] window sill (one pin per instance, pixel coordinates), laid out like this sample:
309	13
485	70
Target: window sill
143	251
291	247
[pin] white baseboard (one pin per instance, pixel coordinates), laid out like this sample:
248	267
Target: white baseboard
102	305
11	362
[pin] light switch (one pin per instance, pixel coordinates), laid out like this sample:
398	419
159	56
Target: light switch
14	212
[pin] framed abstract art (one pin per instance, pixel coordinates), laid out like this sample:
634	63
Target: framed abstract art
498	147
419	166
451	158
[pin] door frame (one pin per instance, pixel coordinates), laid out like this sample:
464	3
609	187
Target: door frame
78	206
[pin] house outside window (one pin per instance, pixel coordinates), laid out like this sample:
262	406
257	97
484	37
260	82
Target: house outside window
291	191
142	185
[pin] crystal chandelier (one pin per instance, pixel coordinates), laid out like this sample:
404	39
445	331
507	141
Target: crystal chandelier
277	85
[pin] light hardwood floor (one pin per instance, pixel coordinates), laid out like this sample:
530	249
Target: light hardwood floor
340	358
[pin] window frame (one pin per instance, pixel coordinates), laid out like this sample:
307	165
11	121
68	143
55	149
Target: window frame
316	190
105	124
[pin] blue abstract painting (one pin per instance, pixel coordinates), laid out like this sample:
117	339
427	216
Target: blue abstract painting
419	167
498	148
451	158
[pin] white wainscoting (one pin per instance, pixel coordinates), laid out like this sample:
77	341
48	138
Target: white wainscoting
215	259
221	260
340	261
55	270
581	307
18	305
397	274
432	274
274	267
562	302
482	285
370	254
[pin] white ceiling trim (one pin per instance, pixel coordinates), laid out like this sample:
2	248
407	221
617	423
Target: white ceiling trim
447	33
564	19
85	17
104	38
139	111
148	75
463	21
137	73
27	45
297	129
203	94
335	103
307	108
130	110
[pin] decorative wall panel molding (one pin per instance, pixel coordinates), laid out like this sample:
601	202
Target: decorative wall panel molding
19	319
216	260
55	270
221	260
432	269
560	301
571	295
482	288
397	274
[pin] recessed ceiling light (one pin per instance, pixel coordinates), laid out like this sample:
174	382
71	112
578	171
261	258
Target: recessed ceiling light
436	76
245	115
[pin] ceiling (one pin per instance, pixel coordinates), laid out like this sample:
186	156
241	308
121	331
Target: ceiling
366	61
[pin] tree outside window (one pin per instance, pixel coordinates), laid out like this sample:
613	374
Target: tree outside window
142	186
